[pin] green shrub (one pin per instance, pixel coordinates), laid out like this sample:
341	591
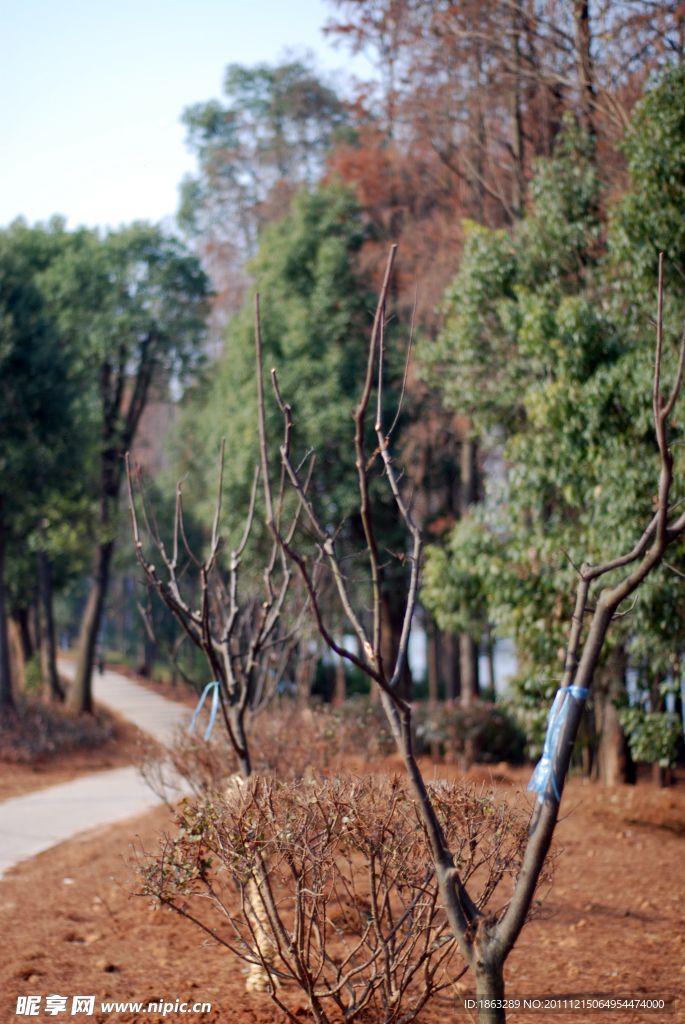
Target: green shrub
652	735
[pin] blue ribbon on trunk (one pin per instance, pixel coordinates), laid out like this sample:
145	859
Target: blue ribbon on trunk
215	707
544	770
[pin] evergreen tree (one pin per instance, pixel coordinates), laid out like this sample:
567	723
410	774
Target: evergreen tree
548	345
316	313
131	306
37	401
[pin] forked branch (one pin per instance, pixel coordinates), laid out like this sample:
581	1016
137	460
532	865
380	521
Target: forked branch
247	643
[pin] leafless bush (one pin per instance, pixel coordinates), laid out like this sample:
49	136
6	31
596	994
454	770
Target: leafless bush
288	741
34	729
330	885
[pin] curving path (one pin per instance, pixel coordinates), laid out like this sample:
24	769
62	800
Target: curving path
33	823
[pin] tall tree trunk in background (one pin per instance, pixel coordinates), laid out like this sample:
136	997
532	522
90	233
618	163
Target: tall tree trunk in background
613	761
16	649
6	698
468	491
32	623
586	75
80	695
340	692
490	652
305	670
124	397
433	675
516	124
451	670
149	655
52	688
613	754
468	649
392	619
21	616
468	666
120	606
432	658
657	704
480	162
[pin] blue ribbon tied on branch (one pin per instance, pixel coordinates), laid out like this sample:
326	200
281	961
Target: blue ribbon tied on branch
214	708
544	770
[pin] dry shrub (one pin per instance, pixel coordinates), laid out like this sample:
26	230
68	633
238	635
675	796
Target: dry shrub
33	730
288	741
330	886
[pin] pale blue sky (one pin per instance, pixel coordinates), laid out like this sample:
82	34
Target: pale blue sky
91	94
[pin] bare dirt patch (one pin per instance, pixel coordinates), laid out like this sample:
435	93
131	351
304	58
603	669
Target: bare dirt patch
614	923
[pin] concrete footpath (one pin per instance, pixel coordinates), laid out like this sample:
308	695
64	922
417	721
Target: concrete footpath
33	823
148	711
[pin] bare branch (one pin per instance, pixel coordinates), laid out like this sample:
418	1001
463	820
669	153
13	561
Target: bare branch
406	366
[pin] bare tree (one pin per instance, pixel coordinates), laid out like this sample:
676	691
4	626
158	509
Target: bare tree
246	639
485	939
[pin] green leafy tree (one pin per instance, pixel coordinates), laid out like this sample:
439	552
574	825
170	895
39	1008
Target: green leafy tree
37	401
132	305
548	346
653	736
269	138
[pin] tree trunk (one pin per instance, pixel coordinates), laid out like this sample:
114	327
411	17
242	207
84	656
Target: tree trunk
392	619
433	679
517	128
17	659
586	77
34	629
305	670
468	651
237	720
120	605
81	695
490	987
52	688
21	617
451	668
149	655
432	658
657	704
490	652
613	755
613	763
340	692
586	741
481	147
468	665
6	698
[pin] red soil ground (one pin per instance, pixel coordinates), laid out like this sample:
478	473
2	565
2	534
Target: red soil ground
614	923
